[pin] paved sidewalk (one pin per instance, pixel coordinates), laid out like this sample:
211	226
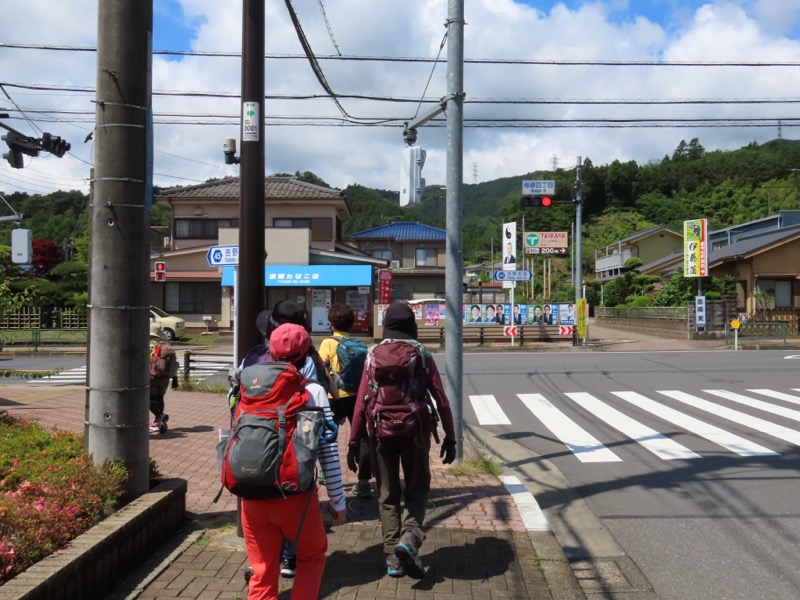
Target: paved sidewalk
477	545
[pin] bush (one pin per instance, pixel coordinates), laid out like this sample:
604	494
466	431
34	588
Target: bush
50	492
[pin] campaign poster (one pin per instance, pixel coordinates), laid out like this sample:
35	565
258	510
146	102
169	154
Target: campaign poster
474	314
550	314
503	314
535	314
431	315
566	314
519	314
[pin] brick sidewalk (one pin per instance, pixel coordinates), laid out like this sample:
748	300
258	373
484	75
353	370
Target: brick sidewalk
477	545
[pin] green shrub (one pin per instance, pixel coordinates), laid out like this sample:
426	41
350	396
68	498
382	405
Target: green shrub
50	492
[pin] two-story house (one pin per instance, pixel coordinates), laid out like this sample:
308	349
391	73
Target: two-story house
415	253
649	245
305	259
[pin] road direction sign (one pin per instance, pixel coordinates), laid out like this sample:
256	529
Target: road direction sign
513	275
223	256
541	187
565	330
510	330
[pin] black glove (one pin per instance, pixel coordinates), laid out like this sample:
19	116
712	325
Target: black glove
352	458
448	452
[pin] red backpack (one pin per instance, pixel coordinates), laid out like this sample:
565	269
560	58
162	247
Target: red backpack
399	404
272	451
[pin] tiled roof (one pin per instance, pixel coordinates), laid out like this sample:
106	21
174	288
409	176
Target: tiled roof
750	244
643	234
274	187
402	231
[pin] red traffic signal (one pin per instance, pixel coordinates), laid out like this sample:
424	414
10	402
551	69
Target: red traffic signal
536	202
161	270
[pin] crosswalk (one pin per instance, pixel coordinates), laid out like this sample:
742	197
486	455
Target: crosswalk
562	414
77	376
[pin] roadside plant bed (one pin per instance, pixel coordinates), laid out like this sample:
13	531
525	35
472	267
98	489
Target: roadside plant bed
50	492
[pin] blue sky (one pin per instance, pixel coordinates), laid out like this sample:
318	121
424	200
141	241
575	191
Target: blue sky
306	131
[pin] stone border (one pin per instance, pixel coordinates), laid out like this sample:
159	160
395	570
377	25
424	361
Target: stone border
96	561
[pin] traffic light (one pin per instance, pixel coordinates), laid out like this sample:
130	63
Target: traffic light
14	158
161	270
536	202
55	145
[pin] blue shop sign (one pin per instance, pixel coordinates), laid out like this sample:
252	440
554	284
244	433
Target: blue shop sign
310	275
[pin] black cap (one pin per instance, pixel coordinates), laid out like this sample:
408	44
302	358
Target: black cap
284	311
399	322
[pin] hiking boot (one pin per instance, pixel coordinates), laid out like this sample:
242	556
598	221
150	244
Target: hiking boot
406	552
393	566
289	567
154	427
362	489
162	423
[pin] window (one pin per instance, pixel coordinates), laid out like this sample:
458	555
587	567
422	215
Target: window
321	228
426	257
779	292
200	229
384	254
198	298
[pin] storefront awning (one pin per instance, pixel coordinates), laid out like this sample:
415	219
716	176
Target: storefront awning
310	275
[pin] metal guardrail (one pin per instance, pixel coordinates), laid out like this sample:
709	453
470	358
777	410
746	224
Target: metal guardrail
37	337
199	366
772	330
482	334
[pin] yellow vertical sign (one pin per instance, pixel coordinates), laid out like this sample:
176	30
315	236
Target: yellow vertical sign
583	319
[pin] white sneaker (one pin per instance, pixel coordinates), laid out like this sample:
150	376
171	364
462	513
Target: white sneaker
154	427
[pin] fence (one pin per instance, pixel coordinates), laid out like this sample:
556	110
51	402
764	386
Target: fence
34	318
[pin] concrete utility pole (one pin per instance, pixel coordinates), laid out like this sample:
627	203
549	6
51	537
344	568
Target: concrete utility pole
118	390
454	274
251	179
578	238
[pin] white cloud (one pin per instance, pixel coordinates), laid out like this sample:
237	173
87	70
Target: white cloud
756	30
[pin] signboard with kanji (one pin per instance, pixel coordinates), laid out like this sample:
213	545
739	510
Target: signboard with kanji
695	248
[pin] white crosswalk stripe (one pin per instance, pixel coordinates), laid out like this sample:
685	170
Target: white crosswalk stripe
732	442
588	449
660	445
76	376
585	446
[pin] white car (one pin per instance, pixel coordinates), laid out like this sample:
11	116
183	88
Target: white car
173	326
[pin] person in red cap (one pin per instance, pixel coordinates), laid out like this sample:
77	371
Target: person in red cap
402	537
266	523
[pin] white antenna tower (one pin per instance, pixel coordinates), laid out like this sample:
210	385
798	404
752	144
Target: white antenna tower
474	172
555	162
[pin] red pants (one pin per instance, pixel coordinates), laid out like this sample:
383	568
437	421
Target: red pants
265	523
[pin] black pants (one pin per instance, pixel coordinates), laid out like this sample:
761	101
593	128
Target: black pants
158	388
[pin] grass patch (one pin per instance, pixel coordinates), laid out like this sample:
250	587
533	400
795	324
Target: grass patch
476	462
202	386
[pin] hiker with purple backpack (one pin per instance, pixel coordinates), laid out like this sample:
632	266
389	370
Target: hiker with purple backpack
395	413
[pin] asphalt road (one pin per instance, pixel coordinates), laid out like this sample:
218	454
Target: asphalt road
692	473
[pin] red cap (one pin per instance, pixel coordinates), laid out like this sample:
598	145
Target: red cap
289	343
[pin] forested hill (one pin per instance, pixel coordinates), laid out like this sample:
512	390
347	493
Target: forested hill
726	187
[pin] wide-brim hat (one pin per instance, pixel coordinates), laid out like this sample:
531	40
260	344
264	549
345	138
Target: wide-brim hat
399	322
284	311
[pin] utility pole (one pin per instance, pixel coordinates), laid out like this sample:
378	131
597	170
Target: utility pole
577	238
118	359
250	284
454	248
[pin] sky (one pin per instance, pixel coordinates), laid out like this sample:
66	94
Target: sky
590	64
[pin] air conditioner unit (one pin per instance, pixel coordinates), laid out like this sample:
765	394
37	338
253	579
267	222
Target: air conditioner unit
395	264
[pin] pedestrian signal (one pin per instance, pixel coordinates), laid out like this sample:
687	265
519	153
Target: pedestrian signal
161	270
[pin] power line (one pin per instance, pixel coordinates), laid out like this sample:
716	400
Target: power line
417	59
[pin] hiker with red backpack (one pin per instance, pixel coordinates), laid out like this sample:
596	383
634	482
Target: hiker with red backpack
267	321
394	411
345	356
163	368
287	506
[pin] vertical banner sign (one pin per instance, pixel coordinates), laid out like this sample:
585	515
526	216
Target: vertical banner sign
700	311
583	318
250	122
509	250
695	248
384	286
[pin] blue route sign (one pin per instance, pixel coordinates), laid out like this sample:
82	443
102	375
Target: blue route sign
513	275
223	256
